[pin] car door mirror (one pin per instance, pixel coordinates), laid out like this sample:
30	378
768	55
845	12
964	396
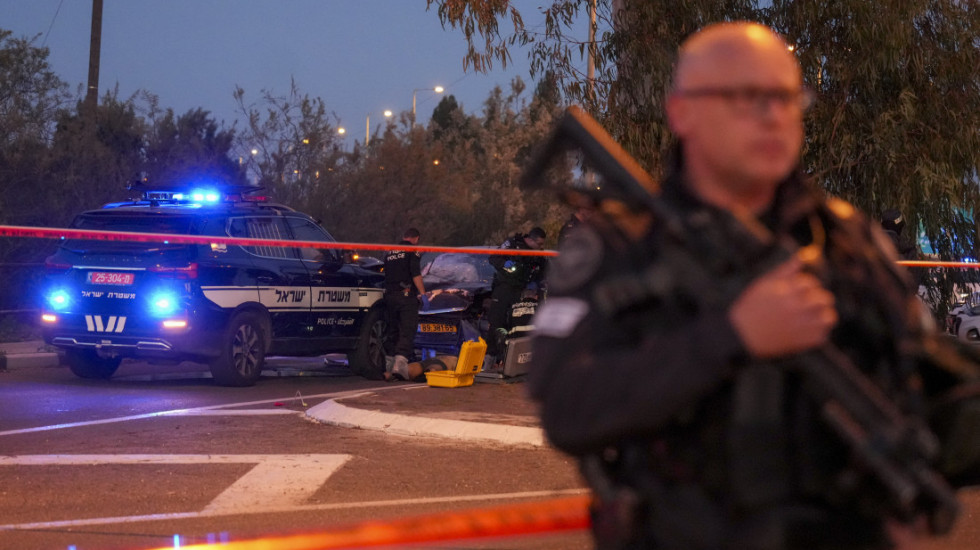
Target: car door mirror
330	260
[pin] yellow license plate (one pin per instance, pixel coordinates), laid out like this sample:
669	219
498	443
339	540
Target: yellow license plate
436	327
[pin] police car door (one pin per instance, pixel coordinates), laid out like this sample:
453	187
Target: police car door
282	282
335	292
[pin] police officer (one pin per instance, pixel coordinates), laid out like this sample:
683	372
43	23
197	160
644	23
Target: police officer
656	389
403	291
893	223
511	276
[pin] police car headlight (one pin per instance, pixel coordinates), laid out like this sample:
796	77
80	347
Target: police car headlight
58	299
163	303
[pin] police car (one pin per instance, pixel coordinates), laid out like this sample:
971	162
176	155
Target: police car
224	305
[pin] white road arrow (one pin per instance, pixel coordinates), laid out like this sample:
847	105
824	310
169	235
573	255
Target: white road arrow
276	481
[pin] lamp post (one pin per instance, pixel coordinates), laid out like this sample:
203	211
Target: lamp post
437	89
367	125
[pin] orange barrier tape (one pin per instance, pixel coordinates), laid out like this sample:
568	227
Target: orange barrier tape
551	516
167	238
60	233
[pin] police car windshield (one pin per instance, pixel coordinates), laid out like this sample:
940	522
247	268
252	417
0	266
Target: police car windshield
118	221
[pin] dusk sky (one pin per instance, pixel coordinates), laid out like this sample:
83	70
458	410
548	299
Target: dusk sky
360	56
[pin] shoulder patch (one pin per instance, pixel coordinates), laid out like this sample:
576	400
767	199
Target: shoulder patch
559	316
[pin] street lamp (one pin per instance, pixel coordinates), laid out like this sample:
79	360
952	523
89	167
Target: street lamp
437	89
367	125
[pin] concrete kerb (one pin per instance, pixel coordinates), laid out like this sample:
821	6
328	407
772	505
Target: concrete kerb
335	413
28	355
32	360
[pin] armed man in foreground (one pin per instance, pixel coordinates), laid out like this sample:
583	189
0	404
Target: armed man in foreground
722	396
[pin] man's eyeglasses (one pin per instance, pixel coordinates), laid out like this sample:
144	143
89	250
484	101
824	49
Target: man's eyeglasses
756	99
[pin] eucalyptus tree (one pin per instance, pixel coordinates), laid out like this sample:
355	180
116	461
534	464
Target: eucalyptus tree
897	119
288	144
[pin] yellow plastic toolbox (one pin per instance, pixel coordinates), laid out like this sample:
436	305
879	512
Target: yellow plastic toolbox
470	362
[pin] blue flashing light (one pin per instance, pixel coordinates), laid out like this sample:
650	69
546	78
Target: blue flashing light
59	299
209	196
178	196
163	303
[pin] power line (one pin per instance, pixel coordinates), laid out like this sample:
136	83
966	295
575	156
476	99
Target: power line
52	23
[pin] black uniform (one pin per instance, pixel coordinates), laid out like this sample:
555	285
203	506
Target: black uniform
638	374
401	298
511	277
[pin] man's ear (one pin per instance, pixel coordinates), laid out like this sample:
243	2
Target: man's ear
676	111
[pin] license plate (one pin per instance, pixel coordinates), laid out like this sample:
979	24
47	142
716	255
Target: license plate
436	327
110	278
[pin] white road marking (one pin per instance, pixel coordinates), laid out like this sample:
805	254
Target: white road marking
194	411
407	503
277	481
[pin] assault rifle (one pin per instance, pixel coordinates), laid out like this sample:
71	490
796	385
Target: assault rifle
895	449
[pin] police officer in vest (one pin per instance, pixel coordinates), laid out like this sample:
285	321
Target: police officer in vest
689	414
403	291
511	276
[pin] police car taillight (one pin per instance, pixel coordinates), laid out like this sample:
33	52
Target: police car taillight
188	271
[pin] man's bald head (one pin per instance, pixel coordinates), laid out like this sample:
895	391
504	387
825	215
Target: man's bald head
725	44
736	107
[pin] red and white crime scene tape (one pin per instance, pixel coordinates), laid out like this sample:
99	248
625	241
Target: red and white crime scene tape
543	517
167	238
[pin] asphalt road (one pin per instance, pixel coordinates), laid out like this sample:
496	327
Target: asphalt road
160	456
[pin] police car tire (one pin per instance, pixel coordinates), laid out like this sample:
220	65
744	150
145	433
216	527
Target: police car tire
242	352
86	363
368	359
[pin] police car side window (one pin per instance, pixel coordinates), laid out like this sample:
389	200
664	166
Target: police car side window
304	230
261	228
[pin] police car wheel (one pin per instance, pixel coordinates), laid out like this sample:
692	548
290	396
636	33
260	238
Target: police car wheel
368	359
87	364
242	352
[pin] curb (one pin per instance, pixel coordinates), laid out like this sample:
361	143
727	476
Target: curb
334	413
32	360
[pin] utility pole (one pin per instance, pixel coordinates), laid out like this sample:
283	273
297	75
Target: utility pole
590	78
94	52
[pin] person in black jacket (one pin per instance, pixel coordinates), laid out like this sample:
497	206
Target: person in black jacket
681	391
403	291
893	223
511	276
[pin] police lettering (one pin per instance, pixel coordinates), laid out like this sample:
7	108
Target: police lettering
333	296
290	295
